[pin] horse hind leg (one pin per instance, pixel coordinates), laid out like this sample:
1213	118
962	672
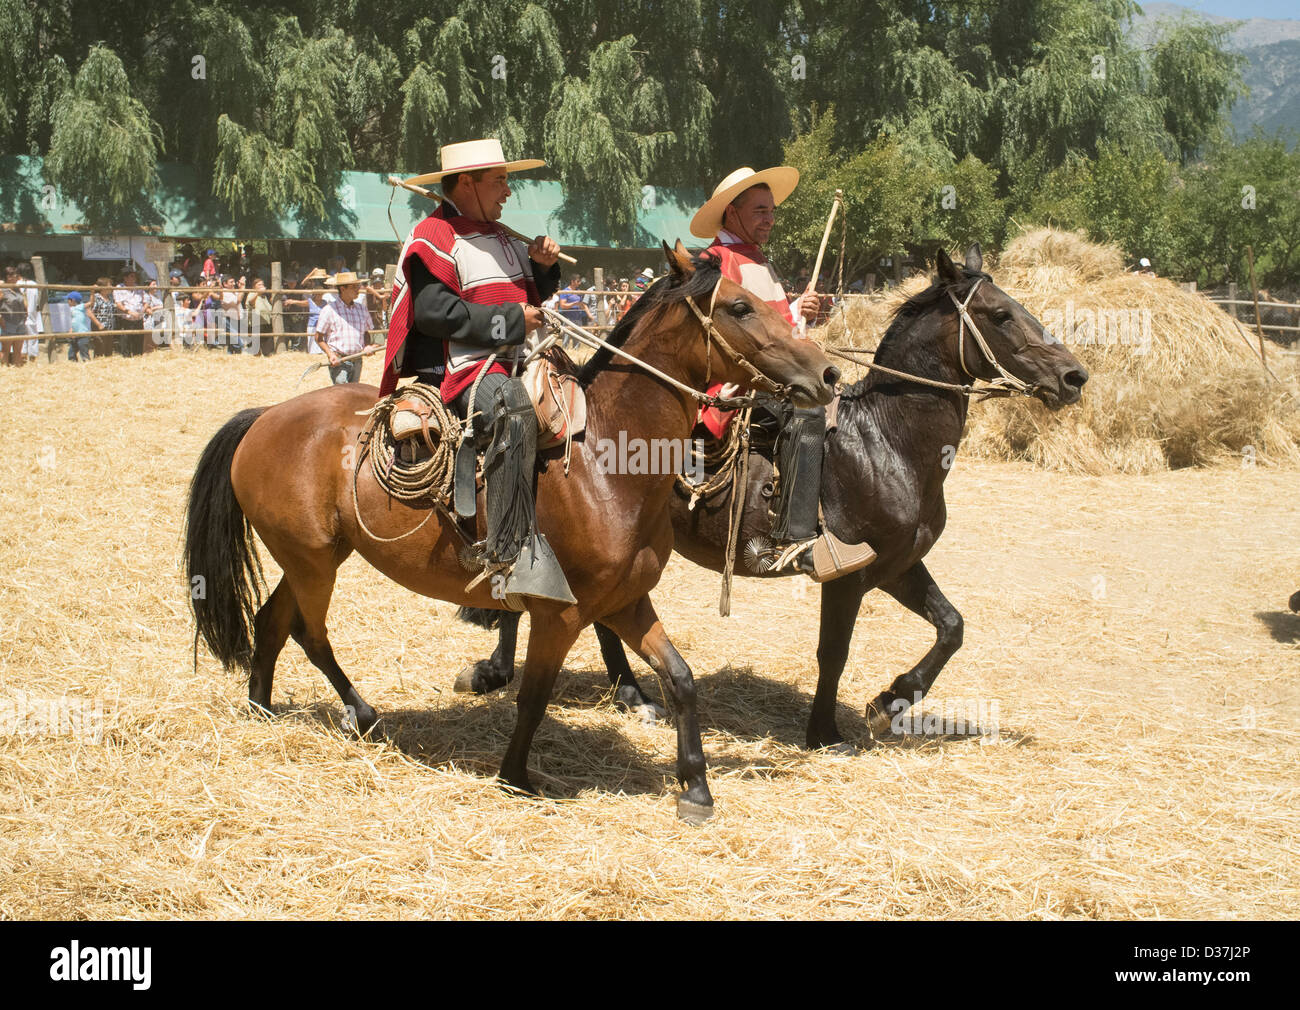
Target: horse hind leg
488	675
271	629
627	692
312	590
841	601
916	590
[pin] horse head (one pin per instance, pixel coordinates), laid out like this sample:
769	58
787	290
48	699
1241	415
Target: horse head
1015	339
751	332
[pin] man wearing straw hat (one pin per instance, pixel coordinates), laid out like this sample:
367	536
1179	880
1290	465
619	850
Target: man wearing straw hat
465	298
343	329
739	218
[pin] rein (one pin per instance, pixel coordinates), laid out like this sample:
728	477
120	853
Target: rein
711	335
1005	385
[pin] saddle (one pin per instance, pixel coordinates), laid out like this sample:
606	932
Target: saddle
558	399
830	556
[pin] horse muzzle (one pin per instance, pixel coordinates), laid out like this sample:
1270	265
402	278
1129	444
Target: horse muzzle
814	391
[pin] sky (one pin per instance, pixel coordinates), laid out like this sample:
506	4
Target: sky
1244	8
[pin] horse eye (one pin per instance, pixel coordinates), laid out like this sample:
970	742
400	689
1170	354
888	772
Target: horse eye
739	308
1002	318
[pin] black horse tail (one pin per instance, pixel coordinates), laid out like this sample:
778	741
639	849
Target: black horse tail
221	562
481	616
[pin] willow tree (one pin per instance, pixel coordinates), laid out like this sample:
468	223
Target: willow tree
486	70
1196	79
602	137
293	151
104	145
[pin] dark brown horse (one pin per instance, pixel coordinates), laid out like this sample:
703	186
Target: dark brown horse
882	483
280	471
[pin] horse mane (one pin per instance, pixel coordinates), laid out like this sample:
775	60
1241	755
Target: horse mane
665	292
903	317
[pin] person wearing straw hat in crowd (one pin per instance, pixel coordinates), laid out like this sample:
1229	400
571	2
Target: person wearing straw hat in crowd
343	327
316	301
466	292
374	297
739	217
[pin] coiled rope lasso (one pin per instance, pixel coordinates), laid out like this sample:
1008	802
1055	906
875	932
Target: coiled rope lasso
428	479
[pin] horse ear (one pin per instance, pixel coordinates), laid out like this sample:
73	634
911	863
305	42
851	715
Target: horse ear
948	272
975	259
679	260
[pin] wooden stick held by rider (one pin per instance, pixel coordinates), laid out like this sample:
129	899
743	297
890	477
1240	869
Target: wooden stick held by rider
395	181
817	267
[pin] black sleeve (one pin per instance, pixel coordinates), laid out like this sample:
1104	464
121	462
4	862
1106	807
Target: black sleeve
443	315
547	279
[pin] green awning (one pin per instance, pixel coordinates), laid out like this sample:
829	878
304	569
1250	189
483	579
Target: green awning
359	212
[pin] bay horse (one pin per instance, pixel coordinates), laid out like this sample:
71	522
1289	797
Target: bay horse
886	459
281	471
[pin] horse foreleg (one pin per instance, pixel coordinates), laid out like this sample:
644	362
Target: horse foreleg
270	631
627	692
489	675
549	641
841	600
312	590
916	590
640	628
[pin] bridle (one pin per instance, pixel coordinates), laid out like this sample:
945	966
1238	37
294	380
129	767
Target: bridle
1005	384
1005	379
711	336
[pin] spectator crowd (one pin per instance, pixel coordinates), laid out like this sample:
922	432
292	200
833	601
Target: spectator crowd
225	303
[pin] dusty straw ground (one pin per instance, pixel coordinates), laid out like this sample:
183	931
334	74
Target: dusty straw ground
1130	628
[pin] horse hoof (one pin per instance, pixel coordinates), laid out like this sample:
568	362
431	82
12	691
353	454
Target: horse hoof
879	722
841	749
650	714
364	725
259	711
523	789
479	678
693	813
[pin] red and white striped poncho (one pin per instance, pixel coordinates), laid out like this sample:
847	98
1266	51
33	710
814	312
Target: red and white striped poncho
482	265
744	263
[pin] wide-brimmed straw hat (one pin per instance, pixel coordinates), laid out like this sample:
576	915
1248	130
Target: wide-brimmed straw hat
708	219
470	156
341	278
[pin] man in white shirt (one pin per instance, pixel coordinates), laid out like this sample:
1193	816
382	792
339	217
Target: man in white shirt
129	303
342	329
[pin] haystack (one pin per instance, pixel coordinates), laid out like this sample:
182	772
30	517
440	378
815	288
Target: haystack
1175	381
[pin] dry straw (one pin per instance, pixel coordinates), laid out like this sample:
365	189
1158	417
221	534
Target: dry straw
1174	381
1146	763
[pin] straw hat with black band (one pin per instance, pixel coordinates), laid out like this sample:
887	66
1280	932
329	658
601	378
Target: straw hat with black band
781	180
471	156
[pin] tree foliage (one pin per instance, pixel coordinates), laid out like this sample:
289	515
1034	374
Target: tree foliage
104	146
1018	107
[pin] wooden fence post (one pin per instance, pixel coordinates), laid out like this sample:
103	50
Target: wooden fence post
164	289
277	310
1254	293
598	276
